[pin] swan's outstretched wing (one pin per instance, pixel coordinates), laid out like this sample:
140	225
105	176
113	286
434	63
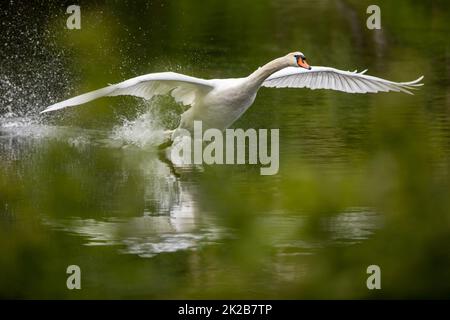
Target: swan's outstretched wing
335	79
184	89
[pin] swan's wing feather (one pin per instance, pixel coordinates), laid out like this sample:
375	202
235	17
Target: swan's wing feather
184	89
335	79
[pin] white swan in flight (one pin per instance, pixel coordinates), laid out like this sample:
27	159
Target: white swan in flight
220	102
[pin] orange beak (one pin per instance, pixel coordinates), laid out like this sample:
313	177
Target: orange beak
302	64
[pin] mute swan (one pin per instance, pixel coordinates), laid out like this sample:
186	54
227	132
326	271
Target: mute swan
220	102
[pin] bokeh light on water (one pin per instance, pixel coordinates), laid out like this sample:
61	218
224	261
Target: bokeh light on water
364	179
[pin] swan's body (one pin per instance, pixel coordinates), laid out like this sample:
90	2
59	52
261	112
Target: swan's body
220	102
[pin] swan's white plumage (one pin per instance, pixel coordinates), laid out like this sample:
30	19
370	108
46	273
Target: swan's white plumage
220	102
184	89
335	79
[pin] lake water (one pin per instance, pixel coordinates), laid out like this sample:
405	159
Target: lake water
363	179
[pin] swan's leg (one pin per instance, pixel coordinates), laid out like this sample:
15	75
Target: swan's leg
162	155
167	140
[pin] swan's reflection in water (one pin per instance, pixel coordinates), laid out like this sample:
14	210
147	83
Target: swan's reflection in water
170	222
144	236
150	235
171	219
178	224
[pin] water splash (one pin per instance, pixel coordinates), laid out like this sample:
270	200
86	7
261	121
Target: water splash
144	131
25	127
37	71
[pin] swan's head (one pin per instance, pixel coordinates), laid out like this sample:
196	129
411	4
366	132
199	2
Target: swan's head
298	59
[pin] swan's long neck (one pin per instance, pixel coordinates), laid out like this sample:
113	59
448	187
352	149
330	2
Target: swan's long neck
257	78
